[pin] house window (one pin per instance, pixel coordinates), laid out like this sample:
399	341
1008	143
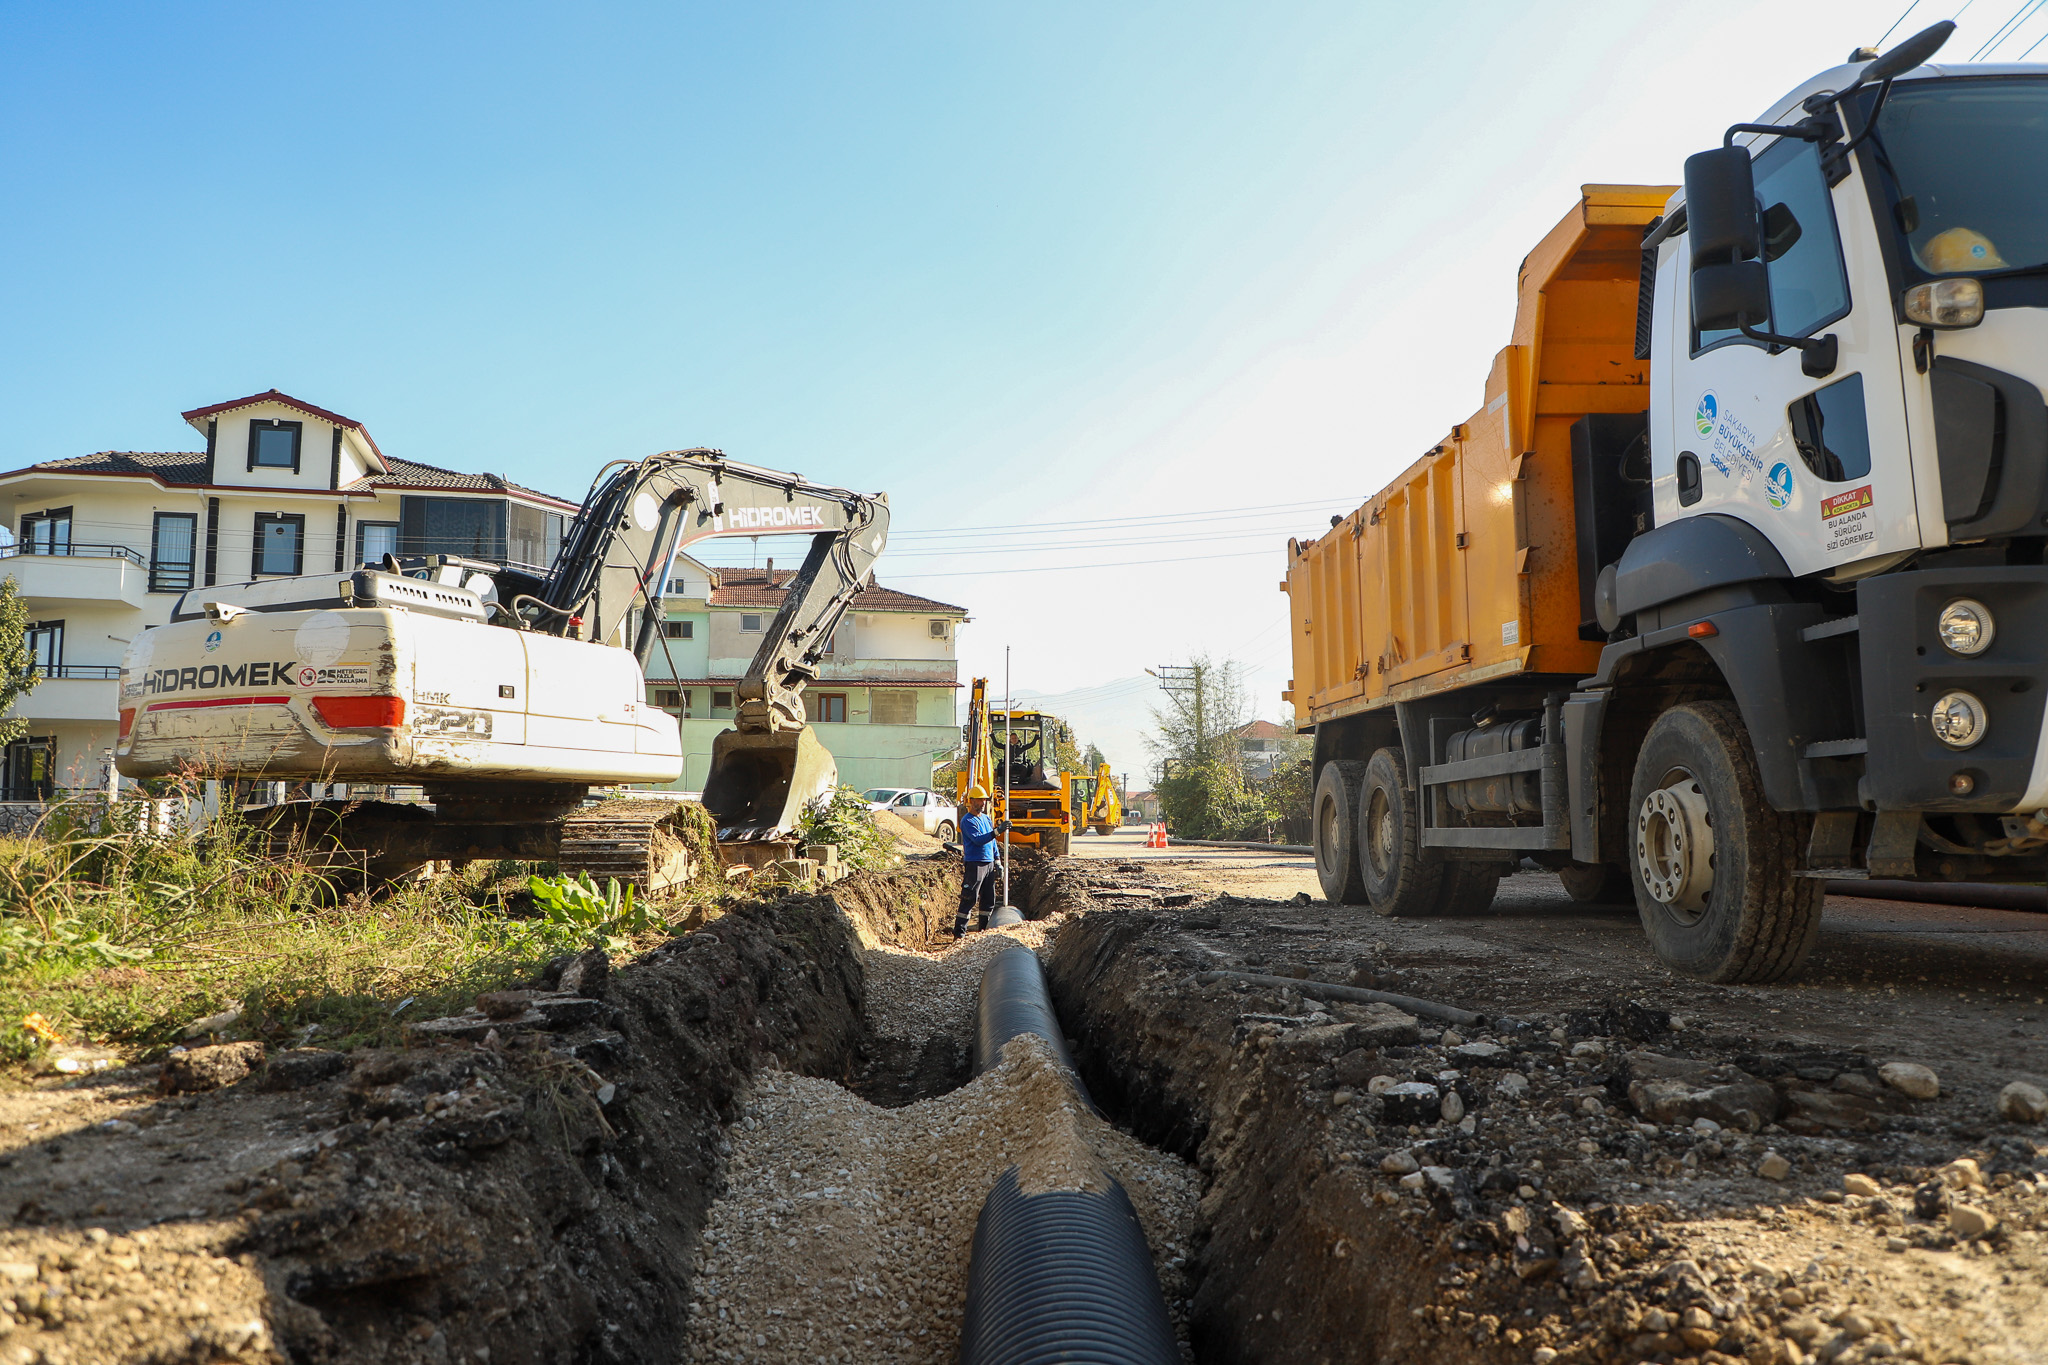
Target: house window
469	528
280	543
825	706
750	621
721	701
28	770
47	533
274	445
892	706
669	697
172	540
374	540
46	646
679	630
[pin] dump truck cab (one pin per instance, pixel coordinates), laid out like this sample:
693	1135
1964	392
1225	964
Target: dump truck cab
1798	632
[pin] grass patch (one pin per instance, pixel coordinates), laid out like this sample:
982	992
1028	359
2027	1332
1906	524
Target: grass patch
116	936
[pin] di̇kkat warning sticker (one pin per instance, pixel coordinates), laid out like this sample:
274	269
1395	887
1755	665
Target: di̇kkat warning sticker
1847	521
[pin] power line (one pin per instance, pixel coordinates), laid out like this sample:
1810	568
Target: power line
2030	51
1896	22
2019	16
1064	568
1067	547
1126	521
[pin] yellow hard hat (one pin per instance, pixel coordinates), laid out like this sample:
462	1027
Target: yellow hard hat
1959	249
977	793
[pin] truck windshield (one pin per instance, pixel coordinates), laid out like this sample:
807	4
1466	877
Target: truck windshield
1962	162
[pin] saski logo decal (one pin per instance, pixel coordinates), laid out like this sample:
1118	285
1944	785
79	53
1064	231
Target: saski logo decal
1779	489
1705	414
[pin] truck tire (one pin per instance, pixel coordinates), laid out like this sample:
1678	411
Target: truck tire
1053	842
1468	889
1336	831
1713	871
1401	877
1596	884
946	833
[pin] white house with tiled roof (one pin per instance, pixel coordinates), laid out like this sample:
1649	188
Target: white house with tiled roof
884	700
103	544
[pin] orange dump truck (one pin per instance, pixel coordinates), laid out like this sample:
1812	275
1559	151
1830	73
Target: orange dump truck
1737	581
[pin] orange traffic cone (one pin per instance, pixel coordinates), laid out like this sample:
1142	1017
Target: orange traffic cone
1157	838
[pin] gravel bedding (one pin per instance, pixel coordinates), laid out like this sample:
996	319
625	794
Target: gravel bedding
912	997
844	1228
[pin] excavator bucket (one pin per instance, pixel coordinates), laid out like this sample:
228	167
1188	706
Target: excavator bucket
760	783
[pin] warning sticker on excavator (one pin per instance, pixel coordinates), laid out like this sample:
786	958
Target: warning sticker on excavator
1847	520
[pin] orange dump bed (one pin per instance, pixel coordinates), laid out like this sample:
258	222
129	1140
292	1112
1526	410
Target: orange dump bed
1465	568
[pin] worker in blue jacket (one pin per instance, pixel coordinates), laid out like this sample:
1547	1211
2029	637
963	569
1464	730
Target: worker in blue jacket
977	860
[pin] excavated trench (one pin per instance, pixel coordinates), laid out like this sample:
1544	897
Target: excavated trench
764	1142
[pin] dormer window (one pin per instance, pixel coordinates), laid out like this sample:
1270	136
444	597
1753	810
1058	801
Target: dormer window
274	445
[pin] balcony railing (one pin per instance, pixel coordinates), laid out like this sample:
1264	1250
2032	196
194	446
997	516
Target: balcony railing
74	549
95	671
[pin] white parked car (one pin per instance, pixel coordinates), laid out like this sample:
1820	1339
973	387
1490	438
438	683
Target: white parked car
920	808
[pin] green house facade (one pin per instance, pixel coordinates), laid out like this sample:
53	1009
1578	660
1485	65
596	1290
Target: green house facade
885	699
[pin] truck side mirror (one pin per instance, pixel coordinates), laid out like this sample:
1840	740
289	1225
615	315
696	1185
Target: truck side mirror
1726	296
1720	207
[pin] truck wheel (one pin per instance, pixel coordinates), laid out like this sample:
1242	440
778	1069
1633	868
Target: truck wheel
1053	842
1596	884
1468	889
1336	831
1713	872
1401	877
947	834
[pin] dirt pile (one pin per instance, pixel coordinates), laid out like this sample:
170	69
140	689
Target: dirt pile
1580	1181
844	1230
530	1196
910	842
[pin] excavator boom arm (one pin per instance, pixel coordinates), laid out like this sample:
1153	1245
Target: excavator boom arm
640	513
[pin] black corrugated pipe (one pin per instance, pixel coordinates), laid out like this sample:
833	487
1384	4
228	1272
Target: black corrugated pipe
1061	1275
1014	1000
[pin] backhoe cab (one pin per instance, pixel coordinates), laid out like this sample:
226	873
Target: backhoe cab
1013	756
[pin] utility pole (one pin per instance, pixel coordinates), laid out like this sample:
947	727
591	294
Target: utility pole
1187	685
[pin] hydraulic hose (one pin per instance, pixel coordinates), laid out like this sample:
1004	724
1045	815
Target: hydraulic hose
1060	1275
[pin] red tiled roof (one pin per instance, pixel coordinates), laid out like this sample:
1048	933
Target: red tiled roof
273	396
1260	729
165	466
188	469
752	588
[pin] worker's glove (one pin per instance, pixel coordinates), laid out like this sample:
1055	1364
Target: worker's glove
1003	826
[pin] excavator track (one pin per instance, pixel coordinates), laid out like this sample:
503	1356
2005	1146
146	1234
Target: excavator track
644	844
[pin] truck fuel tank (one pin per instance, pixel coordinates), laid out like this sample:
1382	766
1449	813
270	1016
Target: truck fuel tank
1505	793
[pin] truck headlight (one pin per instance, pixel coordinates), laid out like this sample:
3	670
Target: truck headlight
1946	303
1959	720
1965	627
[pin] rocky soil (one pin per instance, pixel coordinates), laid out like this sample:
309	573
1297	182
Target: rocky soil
1584	1177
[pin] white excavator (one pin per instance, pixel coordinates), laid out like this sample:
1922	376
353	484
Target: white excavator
505	695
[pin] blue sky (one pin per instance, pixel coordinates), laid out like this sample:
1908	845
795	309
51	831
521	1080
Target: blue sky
1020	266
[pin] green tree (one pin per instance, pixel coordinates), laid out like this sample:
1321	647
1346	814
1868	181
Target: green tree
1203	790
18	673
1092	760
